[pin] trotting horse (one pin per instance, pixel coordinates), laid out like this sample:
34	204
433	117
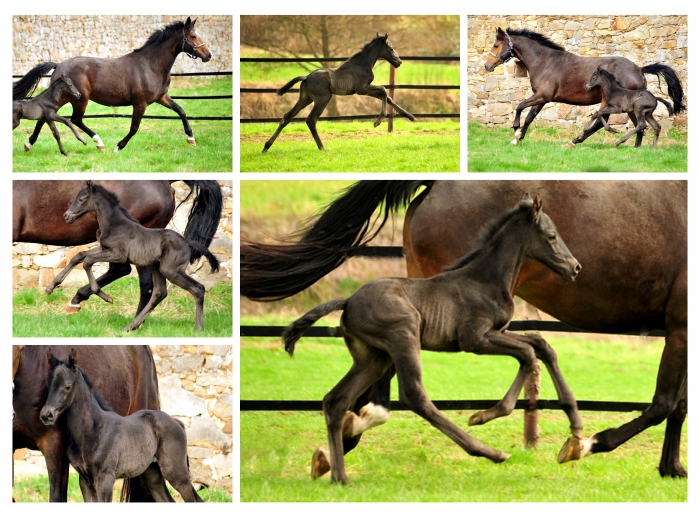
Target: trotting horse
123	240
137	79
559	76
38	207
44	107
124	375
354	76
620	100
104	446
630	236
466	308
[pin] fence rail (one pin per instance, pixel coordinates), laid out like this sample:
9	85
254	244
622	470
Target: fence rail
343	59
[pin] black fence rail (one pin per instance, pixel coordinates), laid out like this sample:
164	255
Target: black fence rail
181	97
389	117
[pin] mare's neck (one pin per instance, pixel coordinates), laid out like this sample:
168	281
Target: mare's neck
532	53
161	57
84	414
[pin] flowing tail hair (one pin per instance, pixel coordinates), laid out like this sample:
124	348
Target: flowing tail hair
203	250
669	107
281	91
25	86
675	89
295	330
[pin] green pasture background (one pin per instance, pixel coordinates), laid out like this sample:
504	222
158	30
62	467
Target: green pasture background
158	146
544	149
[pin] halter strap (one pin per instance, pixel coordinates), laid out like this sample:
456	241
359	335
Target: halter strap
510	52
194	48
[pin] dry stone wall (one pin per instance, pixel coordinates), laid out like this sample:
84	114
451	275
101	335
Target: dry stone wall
492	97
42	38
35	265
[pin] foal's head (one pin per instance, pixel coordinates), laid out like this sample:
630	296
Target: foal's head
386	50
86	201
63	376
600	77
68	87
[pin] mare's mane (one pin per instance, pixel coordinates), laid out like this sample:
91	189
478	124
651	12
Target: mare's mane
161	35
537	37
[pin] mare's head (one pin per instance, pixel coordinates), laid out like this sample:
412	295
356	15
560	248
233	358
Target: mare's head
63	375
501	51
192	44
545	245
386	50
599	77
87	200
69	87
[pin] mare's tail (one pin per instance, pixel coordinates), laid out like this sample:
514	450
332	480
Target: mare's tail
281	91
669	107
675	89
205	213
274	271
203	250
295	330
25	86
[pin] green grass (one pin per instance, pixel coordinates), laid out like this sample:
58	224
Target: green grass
353	147
158	146
36	489
544	149
37	315
409	460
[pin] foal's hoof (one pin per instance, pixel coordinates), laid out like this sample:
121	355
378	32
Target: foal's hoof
572	450
319	464
410	117
377	122
501	457
570	144
27	146
49	289
477	419
101	148
104	296
191	141
72	308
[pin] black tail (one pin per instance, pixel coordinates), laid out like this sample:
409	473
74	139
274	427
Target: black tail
203	250
675	89
295	330
204	215
25	86
669	107
281	91
271	272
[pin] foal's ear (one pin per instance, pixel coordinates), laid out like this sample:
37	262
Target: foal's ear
51	359
73	357
536	206
89	184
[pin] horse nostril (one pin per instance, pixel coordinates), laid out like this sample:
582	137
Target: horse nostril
577	268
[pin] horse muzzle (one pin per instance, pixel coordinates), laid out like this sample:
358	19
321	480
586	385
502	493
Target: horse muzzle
69	217
573	271
48	416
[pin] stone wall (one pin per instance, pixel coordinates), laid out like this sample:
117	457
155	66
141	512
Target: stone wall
35	265
492	97
195	385
41	38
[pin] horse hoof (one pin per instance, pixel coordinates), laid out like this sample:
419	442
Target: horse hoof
476	419
514	142
72	308
574	448
503	456
319	464
570	144
377	122
115	150
191	141
27	146
411	117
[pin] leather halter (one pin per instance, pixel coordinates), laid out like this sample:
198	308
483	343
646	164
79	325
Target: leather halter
506	55
194	48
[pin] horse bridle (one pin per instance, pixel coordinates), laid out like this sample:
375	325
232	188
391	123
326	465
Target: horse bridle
506	55
194	48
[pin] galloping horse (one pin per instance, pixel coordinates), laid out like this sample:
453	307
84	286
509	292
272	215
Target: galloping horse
354	76
630	236
137	79
559	76
126	377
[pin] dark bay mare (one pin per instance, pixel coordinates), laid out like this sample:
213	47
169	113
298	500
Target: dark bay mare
123	240
124	375
630	236
44	108
620	100
104	446
559	76
136	79
352	77
38	207
466	308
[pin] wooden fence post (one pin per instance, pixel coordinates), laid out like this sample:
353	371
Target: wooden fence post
392	77
532	416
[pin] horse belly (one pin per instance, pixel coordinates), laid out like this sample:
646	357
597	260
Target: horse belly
342	84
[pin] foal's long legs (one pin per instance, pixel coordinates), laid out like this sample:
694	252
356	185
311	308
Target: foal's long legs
114	272
57	137
320	103
303	101
179	277
160	292
380	93
153	478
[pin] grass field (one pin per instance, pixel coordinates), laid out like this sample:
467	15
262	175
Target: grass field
353	147
544	149
36	489
409	460
158	146
37	315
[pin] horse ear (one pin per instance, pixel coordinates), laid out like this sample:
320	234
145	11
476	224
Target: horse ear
73	357
51	359
188	22
386	36
536	206
500	32
527	201
377	35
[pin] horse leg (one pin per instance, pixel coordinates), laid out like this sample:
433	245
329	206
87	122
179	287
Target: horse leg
155	483
369	365
531	114
104	487
400	109
79	107
169	103
114	272
93	256
655	126
535	100
57	137
641	125
320	103
64	120
75	261
171	457
670	464
87	490
53	446
375	92
136	116
303	101
179	277
34	135
159	292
